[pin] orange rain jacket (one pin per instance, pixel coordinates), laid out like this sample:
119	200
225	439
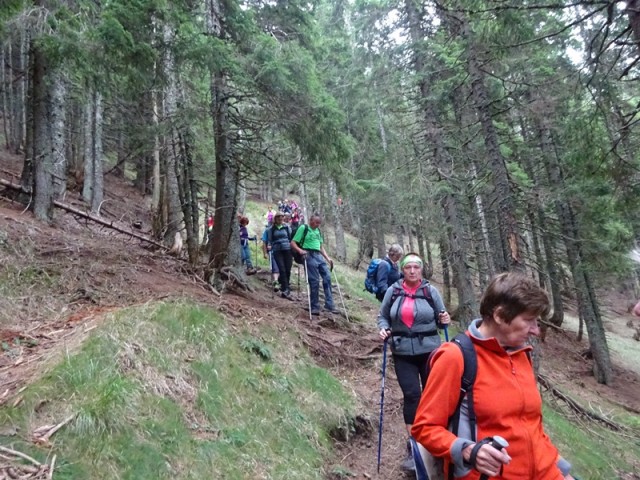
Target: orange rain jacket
506	402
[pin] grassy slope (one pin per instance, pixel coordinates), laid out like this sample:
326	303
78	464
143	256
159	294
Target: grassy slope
170	391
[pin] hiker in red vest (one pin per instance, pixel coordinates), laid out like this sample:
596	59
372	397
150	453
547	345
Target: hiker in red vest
410	315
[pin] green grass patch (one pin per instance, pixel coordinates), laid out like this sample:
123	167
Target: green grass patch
594	452
167	392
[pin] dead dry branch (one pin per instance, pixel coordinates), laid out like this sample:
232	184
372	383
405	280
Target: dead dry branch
12	465
577	408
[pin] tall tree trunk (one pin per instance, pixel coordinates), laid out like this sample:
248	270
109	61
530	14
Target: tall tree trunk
188	191
42	160
57	125
7	114
93	189
549	263
467	305
225	248
502	195
175	217
587	302
341	247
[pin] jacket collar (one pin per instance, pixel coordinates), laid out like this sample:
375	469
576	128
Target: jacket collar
491	343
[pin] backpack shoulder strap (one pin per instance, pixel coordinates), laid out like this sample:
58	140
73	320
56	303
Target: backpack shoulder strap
397	292
466	385
426	293
305	229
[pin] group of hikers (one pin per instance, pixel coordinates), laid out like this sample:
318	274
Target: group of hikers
471	407
284	240
293	213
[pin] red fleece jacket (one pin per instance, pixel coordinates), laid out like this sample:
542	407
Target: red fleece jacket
506	402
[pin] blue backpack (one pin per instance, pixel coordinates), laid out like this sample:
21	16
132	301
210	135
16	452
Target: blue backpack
370	280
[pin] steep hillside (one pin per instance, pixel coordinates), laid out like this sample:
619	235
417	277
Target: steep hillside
58	281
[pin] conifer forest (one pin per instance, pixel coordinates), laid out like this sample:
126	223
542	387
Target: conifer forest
489	135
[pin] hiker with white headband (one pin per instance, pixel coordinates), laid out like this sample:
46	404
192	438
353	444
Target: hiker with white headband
411	313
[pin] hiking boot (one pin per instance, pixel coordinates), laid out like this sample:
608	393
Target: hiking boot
332	310
276	287
287	295
251	271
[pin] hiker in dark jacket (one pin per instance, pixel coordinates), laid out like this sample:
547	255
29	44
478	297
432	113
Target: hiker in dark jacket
411	324
279	243
388	273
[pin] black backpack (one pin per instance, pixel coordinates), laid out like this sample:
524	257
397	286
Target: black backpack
299	259
466	387
426	294
469	372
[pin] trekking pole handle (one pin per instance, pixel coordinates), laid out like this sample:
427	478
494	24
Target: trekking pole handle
498	443
445	327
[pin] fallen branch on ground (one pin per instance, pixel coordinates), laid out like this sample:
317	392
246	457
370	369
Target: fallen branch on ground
576	407
11	466
88	216
42	435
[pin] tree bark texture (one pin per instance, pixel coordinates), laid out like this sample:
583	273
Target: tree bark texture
341	247
93	189
502	197
587	303
175	217
41	158
467	305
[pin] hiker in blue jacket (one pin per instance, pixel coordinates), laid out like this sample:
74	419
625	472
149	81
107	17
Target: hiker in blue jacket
411	313
387	274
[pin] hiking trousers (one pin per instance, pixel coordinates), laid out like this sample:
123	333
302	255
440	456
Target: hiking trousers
284	260
411	371
317	268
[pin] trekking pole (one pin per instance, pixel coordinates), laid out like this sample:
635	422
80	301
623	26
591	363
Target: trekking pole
446	329
298	267
384	369
273	285
341	297
306	276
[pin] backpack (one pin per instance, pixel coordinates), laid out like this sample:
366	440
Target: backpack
426	294
299	259
422	458
270	233
370	280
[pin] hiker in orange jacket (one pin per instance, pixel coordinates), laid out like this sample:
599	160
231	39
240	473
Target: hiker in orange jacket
505	395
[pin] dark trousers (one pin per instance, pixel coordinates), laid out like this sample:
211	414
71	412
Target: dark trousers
411	371
284	260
